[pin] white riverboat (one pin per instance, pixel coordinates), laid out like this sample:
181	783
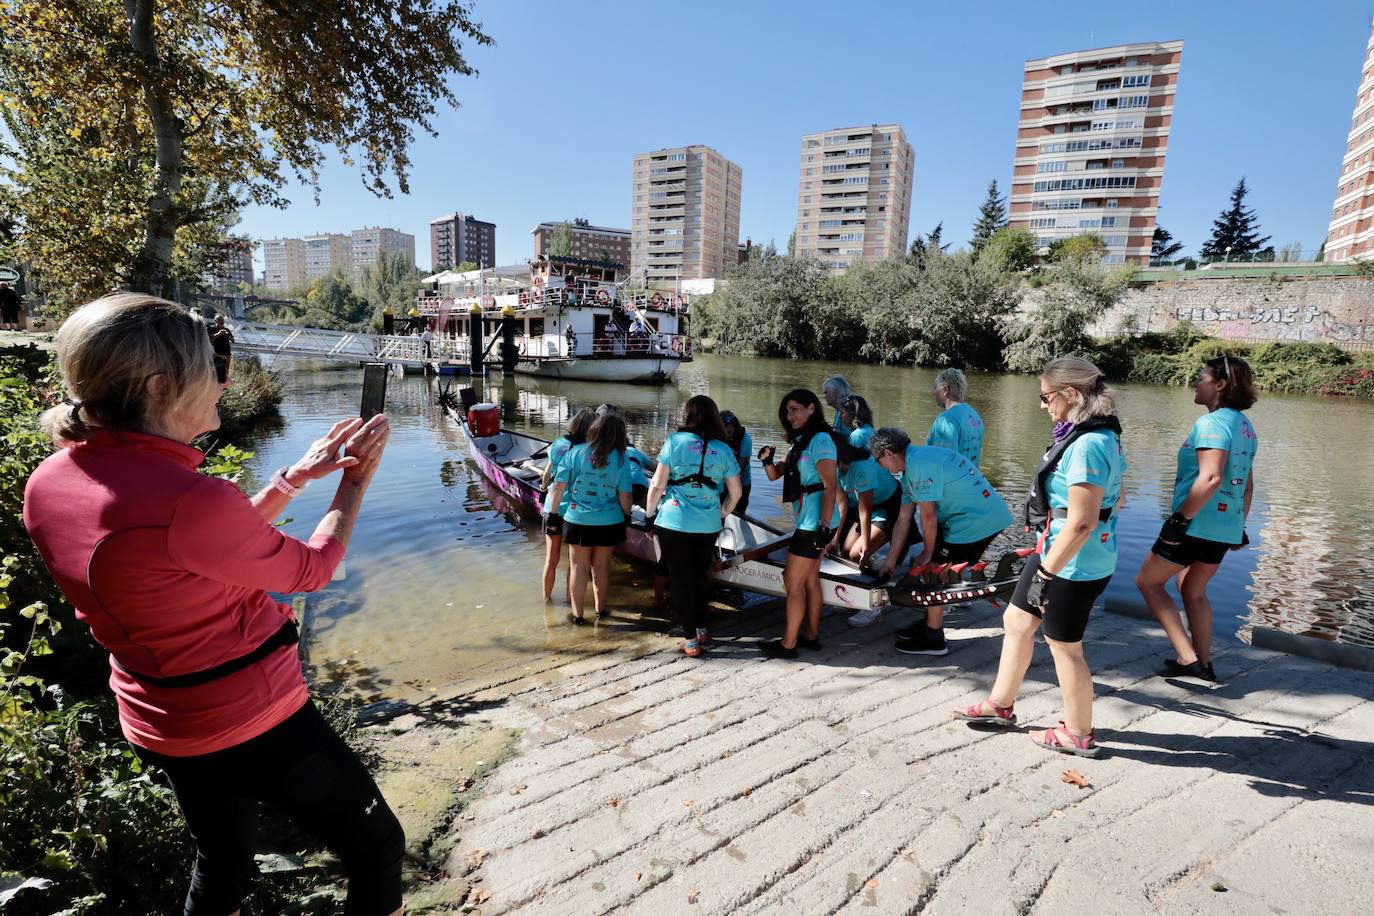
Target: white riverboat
575	319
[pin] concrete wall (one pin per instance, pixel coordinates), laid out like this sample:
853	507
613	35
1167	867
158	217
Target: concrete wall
1337	310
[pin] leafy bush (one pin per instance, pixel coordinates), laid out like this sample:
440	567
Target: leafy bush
254	392
1078	292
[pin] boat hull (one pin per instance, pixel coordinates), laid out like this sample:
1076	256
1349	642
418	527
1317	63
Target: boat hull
645	370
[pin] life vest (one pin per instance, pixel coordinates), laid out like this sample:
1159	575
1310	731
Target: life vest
700	478
1038	511
792	487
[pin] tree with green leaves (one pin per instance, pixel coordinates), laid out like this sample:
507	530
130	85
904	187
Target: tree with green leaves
992	215
560	241
1162	246
1077	294
391	281
1235	232
133	125
1086	246
1011	250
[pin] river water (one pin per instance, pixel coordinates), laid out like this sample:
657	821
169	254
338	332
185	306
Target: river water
441	585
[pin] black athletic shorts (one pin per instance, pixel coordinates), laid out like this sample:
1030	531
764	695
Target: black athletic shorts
961	553
1068	603
805	544
1191	550
594	535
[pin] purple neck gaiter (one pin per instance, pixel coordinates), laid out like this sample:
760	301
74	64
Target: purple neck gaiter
1062	430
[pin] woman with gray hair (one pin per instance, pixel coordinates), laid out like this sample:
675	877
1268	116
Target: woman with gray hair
835	389
1074	500
171	571
958	427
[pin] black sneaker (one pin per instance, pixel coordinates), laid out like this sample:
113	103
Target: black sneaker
924	641
775	649
813	644
1195	673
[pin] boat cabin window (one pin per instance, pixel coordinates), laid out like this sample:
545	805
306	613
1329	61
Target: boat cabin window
536	327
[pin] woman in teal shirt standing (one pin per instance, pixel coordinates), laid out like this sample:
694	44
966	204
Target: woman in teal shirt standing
958	427
1212	492
598	480
742	444
686	510
810	483
1076	497
558	449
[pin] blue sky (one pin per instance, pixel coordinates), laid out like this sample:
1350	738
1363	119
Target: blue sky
570	92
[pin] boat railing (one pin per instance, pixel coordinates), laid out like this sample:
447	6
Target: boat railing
613	343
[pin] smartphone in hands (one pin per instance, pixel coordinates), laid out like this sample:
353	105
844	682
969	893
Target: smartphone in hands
374	390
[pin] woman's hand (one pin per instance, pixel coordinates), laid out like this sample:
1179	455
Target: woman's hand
766	454
322	458
364	447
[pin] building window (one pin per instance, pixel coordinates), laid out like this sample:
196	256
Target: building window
1043	167
1138	79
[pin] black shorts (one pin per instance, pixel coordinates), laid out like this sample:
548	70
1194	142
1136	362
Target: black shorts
594	535
9	314
304	770
1191	550
1067	602
805	544
961	553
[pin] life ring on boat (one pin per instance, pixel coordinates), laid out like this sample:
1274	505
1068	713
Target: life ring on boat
656	300
603	297
525	297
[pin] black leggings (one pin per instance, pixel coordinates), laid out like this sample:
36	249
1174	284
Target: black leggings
302	768
689	558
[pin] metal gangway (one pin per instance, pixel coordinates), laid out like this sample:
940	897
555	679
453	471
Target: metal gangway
406	351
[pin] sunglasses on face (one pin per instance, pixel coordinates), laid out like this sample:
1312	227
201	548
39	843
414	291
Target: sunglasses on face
1045	398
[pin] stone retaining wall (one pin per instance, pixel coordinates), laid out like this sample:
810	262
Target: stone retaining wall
1337	310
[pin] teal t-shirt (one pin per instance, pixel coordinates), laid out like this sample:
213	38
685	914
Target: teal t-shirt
867	476
639	466
746	452
594	493
967	506
960	429
1093	458
808	508
694	508
859	436
1223	518
558	450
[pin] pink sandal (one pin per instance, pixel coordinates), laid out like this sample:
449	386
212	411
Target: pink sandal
1000	715
1079	745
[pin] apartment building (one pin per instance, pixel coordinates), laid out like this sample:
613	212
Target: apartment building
283	263
369	244
458	238
854	196
1351	233
1090	145
685	216
234	271
601	243
327	254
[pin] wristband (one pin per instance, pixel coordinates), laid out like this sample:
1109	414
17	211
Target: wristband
280	483
649	521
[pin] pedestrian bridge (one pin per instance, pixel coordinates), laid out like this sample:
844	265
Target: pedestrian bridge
347	346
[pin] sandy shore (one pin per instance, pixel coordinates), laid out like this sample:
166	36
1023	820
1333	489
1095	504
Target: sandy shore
652	783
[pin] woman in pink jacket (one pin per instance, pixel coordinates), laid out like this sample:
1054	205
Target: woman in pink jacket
171	570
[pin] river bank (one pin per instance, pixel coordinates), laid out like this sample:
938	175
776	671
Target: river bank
655	783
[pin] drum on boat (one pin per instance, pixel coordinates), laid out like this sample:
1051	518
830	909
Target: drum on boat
484	420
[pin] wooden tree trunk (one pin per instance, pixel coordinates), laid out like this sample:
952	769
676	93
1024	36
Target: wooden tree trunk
150	271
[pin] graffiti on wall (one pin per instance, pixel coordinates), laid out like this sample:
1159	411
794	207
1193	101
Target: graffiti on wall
1279	323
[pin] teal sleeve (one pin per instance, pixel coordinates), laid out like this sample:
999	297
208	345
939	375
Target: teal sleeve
1211	431
1087	462
732	466
563	473
822	448
943	433
627	476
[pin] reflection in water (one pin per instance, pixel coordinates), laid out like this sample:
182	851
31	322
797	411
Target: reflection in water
442	576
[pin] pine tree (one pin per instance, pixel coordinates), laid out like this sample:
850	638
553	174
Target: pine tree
1163	248
1235	233
991	217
